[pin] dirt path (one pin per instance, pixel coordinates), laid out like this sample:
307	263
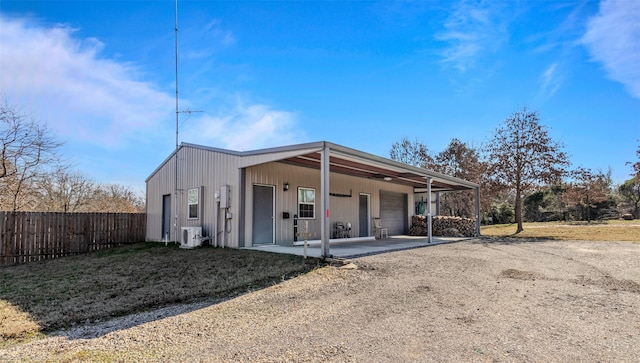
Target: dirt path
468	301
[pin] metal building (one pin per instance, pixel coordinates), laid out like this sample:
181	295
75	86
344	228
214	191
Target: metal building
244	199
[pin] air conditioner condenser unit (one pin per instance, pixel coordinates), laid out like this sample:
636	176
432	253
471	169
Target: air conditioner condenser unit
191	237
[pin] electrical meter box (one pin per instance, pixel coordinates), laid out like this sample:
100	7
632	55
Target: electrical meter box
225	196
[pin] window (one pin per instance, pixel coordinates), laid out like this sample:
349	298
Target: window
193	201
306	203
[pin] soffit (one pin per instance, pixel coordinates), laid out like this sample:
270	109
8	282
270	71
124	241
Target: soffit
372	169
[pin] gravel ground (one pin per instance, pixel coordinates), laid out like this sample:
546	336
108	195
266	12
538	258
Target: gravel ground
473	301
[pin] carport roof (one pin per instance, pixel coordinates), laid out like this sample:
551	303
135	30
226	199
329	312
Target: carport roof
348	161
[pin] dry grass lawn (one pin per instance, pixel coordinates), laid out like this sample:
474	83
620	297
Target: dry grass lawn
576	231
49	295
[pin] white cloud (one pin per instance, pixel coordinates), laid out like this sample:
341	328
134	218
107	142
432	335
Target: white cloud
471	30
117	125
244	127
613	39
209	39
550	80
83	96
80	95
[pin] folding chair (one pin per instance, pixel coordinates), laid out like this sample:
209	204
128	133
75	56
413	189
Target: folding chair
378	231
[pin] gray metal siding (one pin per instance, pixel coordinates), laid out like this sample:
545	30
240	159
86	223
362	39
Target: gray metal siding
197	168
343	209
211	169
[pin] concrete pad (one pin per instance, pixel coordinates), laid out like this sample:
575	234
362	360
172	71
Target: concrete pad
345	250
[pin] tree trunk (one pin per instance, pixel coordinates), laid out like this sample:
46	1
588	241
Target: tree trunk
518	211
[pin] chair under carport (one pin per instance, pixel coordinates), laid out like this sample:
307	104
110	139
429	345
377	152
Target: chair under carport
378	230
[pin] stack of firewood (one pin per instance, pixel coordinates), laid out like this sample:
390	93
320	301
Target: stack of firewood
443	226
418	226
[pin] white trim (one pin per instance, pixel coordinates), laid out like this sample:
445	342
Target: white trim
189	204
315	198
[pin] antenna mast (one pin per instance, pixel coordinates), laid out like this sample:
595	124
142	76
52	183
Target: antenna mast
175	192
178	112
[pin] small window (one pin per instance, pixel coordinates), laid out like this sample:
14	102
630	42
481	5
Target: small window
193	200
306	203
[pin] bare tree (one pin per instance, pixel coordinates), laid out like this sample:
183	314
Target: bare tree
115	198
64	191
463	162
588	188
413	153
26	148
522	156
67	191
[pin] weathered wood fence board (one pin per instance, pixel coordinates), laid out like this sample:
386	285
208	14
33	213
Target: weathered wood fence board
35	236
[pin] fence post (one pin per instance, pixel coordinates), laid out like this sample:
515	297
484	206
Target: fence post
3	248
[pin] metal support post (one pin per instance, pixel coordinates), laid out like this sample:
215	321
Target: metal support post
429	180
325	223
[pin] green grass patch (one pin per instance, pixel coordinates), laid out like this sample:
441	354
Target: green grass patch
614	230
48	295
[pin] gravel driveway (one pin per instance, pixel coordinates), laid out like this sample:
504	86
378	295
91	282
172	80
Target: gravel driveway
477	300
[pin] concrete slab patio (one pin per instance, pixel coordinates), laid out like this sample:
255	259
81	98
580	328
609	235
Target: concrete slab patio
349	249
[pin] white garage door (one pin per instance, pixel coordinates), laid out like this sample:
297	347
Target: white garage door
393	212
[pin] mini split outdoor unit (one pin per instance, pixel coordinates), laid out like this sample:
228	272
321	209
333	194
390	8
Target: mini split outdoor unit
191	237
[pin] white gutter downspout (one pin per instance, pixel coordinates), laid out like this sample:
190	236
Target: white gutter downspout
325	223
429	180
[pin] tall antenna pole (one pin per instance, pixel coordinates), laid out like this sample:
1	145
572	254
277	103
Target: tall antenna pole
175	192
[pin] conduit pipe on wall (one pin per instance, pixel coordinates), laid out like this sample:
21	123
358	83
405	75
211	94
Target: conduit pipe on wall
216	213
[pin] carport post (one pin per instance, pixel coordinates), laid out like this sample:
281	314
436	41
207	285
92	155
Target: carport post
429	180
477	211
325	223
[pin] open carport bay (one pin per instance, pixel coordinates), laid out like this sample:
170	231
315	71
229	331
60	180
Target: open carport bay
475	300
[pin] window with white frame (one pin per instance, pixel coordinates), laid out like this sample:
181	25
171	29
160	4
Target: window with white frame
193	201
306	203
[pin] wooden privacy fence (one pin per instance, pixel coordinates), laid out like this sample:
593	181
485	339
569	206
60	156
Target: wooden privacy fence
35	236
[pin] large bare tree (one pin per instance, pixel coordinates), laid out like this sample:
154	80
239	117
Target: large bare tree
463	162
26	149
522	156
33	177
413	153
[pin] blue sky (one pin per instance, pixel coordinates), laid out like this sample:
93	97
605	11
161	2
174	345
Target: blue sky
101	75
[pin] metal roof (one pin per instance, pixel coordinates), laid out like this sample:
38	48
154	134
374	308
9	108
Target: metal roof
344	160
